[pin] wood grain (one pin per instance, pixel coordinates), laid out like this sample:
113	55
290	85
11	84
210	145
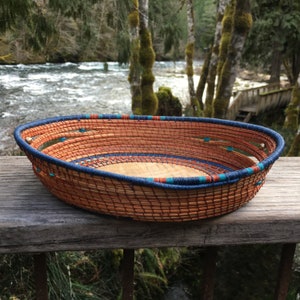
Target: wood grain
32	220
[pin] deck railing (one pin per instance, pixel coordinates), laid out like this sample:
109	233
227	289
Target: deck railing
259	99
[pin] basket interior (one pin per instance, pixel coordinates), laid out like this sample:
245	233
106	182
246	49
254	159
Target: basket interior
151	148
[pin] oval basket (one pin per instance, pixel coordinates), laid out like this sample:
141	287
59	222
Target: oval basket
163	169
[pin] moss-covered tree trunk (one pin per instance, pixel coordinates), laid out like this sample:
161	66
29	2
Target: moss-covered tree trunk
189	57
292	119
134	76
203	79
242	22
226	33
295	148
147	59
212	71
292	112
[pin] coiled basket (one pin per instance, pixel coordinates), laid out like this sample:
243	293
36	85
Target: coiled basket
162	169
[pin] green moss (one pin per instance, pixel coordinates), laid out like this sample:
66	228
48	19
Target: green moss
189	70
292	111
219	107
225	40
292	118
150	101
224	44
189	50
146	39
147	54
136	105
228	17
243	23
148	78
221	100
134	59
168	105
197	112
295	148
227	23
147	59
133	19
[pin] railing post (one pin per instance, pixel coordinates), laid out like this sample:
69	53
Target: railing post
40	273
285	271
209	273
127	274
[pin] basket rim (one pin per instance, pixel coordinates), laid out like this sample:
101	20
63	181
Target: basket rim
172	182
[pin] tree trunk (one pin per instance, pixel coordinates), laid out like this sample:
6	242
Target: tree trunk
275	64
295	148
212	72
292	119
242	22
134	76
189	57
227	25
292	67
203	79
147	59
292	112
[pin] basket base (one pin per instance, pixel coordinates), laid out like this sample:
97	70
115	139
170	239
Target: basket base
152	165
148	169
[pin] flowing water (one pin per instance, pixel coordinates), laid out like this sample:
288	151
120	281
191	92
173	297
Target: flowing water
31	92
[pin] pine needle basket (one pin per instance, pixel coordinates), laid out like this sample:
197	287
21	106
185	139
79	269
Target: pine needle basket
150	168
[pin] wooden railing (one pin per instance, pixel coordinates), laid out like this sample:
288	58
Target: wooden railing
34	221
259	99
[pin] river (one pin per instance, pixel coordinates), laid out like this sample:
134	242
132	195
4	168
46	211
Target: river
31	92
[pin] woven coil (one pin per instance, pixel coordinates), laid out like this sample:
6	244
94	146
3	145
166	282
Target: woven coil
162	169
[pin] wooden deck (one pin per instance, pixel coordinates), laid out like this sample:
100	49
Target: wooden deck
32	220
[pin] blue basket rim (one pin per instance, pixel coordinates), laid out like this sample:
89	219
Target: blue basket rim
172	182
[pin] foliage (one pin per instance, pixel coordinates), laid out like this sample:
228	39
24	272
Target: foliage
243	272
167	23
276	27
83	275
68	31
74	8
153	268
10	10
61	30
241	277
16	276
205	20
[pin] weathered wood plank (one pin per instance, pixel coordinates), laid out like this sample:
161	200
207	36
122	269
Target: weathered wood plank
32	220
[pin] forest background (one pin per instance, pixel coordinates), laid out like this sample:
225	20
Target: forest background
72	31
56	31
